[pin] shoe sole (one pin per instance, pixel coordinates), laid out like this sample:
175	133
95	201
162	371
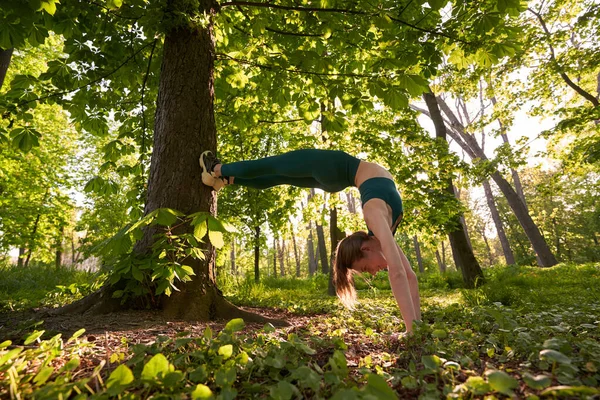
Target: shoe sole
202	164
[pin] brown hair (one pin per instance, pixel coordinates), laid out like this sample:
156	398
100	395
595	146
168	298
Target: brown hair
348	251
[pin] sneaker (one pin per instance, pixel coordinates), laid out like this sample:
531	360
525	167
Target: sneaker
208	162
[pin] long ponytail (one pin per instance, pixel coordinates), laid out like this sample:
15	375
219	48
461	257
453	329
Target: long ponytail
348	251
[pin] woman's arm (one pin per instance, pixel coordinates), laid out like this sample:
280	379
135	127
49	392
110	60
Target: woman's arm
376	217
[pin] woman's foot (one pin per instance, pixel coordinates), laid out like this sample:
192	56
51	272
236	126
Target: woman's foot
208	162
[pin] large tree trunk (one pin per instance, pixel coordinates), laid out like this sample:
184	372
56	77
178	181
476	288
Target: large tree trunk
5	56
418	253
58	255
489	196
351	202
335	235
462	252
256	253
323	258
184	126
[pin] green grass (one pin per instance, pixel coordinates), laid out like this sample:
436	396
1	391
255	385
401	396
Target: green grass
36	285
528	332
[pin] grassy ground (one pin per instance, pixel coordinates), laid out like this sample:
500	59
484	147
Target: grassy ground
527	333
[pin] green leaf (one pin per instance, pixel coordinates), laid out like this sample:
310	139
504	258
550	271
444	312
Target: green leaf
234	325
409	382
378	387
118	379
437	4
282	391
439	333
25	139
49	6
157	367
12	353
395	99
431	362
477	385
71	364
554	356
43	375
77	334
501	382
33	337
202	392
200	230
114	4
225	376
216	239
570	391
226	351
172	379
537	382
166	216
6	343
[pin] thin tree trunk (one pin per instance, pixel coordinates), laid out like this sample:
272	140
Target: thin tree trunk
312	262
418	253
275	256
487	244
296	257
322	249
470	145
463	221
232	257
5	56
32	243
351	202
513	172
21	258
441	264
462	252
444	255
507	251
256	253
280	252
58	259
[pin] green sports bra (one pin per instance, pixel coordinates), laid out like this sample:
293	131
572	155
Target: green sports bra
384	189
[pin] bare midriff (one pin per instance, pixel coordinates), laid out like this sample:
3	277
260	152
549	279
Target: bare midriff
367	170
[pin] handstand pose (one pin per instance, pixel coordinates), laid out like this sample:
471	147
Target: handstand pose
333	171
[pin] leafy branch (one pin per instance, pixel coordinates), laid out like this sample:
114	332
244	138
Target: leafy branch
90	83
559	68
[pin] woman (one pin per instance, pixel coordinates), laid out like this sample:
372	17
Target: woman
333	171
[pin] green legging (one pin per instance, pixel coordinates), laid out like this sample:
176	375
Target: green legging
330	170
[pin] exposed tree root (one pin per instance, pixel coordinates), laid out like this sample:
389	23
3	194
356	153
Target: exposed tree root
185	305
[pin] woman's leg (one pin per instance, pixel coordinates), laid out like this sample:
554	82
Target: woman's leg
329	170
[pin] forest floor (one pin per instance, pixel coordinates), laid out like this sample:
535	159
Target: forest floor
527	333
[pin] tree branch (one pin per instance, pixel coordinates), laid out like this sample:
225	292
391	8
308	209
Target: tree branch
561	72
293	33
285	121
294	70
292	8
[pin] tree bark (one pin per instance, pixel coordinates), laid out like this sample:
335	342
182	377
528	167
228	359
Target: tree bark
463	254
507	251
322	249
418	253
5	56
256	253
